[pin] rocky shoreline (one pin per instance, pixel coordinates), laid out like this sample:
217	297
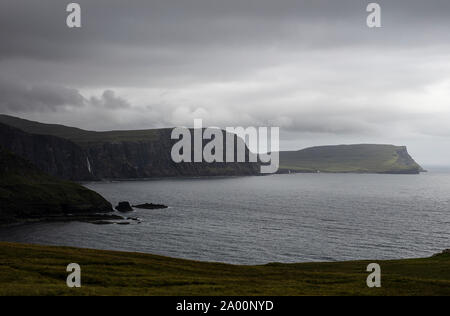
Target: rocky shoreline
91	218
151	206
125	207
97	219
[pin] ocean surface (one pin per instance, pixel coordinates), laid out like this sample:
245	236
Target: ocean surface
280	218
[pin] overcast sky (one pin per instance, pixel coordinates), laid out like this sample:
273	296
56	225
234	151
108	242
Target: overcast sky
312	67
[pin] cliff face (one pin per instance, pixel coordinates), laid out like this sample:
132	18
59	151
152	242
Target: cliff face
80	155
404	163
53	155
26	192
152	158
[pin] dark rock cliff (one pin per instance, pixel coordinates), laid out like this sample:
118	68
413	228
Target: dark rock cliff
53	155
152	158
82	155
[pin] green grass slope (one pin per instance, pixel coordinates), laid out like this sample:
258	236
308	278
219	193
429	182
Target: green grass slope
364	158
41	270
27	193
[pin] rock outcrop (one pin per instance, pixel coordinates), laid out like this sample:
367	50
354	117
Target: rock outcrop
150	206
124	207
28	193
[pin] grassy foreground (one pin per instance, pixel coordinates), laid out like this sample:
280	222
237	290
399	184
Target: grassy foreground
41	270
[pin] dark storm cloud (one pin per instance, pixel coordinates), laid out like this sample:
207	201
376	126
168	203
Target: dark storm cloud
22	98
18	97
155	41
311	66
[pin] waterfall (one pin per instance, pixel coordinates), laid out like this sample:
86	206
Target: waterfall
89	165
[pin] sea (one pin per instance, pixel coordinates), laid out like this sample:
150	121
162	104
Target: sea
265	219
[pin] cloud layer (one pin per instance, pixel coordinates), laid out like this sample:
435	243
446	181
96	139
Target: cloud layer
311	67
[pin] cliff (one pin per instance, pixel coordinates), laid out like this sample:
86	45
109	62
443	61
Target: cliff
364	158
76	154
27	193
53	155
151	157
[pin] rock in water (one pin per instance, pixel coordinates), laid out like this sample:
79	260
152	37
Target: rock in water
150	206
124	207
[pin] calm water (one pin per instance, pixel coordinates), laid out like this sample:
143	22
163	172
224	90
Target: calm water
282	218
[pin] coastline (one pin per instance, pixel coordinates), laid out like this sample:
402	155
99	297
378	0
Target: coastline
281	172
40	270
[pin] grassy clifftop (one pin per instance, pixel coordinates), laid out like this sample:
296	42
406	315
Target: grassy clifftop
26	192
364	158
77	135
41	270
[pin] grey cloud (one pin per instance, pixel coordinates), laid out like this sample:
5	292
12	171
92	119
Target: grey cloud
311	67
16	97
110	101
181	41
21	98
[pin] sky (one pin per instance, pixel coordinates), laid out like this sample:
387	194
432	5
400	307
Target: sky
311	67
